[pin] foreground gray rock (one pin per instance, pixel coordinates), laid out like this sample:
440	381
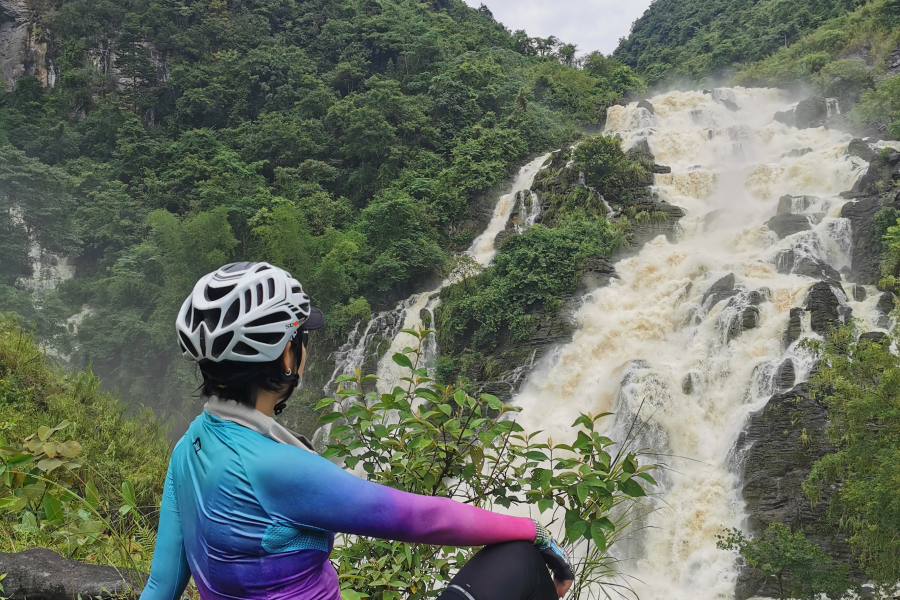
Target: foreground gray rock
781	443
825	309
41	574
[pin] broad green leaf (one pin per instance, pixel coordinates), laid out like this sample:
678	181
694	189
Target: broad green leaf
632	488
427	395
324	403
598	535
445	408
581	490
330	417
576	530
92	495
49	464
647	477
492	401
44	433
535	455
53	510
348	594
402	360
605	523
128	493
460	398
545	504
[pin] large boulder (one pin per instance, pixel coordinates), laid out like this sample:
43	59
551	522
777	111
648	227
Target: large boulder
862	149
723	289
785	225
825	308
645	104
781	443
810	111
41	574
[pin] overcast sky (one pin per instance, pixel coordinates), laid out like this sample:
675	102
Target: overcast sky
592	24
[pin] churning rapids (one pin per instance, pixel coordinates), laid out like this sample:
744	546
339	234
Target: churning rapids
641	338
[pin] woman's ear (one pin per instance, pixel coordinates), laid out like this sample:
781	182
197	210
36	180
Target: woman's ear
287	358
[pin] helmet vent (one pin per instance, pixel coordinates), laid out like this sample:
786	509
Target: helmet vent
187	345
271	283
244	350
270	339
212	317
221	344
242	266
279	317
187	316
203	341
232	314
296	290
259	294
263	268
213	294
196	319
248	301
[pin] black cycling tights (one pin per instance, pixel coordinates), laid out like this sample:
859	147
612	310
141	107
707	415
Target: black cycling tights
509	571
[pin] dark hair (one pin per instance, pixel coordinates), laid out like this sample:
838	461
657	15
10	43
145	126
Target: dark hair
242	381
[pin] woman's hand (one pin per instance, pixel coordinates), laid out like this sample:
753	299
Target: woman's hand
562	586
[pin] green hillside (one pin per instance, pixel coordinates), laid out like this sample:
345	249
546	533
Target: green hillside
677	40
351	142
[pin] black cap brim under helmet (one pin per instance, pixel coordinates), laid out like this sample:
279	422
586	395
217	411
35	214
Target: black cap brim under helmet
316	320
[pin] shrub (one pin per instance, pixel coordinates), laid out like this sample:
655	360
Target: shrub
439	441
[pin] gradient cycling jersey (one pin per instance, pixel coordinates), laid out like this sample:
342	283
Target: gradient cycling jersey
249	517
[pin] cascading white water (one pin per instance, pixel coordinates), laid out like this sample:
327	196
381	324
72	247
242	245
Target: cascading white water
646	345
384	327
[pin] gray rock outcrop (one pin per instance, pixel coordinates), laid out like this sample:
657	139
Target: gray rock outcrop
722	289
794	328
824	308
42	574
23	51
865	249
781	443
785	225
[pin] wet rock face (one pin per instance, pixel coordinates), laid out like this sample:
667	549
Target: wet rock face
865	250
885	306
794	327
782	442
785	225
646	105
824	308
862	149
786	375
42	573
810	111
876	337
723	289
23	50
859	293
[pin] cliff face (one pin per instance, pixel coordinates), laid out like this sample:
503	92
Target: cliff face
23	49
780	446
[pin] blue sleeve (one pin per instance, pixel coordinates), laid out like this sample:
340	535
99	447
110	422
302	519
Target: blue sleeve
309	490
169	571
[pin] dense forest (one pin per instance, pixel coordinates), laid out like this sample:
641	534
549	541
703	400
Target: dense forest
360	144
349	142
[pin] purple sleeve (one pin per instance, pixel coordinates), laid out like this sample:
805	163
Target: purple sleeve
309	490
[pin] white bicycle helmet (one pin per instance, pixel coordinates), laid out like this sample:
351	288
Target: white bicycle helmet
244	312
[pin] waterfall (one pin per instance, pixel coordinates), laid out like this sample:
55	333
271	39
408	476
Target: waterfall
832	107
379	341
690	365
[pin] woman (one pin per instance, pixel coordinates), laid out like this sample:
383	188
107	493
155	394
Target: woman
250	510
